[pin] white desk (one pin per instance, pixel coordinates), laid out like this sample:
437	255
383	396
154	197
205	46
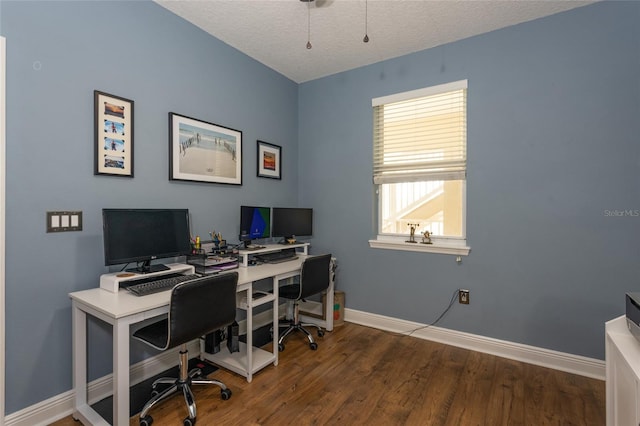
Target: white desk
123	309
622	353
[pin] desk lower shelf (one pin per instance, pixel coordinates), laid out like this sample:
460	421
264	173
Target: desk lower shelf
238	361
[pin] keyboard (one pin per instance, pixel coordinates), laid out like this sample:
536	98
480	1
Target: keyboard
278	256
157	284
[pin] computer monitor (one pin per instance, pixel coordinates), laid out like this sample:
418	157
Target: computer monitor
143	235
255	223
292	222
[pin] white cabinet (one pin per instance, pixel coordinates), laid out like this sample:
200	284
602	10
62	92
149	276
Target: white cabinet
622	352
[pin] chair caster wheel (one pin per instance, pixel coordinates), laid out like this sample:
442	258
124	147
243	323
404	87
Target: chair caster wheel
280	347
313	346
146	421
189	421
225	394
320	333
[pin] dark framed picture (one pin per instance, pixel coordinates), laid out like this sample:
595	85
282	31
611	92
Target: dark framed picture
269	160
113	121
204	152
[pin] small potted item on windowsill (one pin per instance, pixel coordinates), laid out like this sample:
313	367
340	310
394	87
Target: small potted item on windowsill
426	237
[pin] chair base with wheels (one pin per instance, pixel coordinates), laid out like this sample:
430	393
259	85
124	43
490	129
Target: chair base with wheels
197	307
314	278
180	384
295	325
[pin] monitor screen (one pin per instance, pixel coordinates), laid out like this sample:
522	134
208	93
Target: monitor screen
142	235
292	222
255	222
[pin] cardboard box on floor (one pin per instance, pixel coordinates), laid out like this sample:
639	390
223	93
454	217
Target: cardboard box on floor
338	308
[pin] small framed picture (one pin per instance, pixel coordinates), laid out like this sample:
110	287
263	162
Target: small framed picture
269	160
113	121
204	152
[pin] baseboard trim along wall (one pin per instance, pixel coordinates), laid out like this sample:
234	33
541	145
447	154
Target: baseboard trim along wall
60	406
57	407
576	364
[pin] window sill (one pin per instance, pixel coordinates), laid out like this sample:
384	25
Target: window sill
436	247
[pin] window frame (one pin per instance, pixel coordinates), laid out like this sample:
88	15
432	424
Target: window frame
440	244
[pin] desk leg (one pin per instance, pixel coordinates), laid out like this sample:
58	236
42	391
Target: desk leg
82	411
330	301
250	333
121	373
276	318
79	319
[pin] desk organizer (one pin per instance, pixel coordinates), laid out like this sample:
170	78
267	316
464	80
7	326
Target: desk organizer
212	263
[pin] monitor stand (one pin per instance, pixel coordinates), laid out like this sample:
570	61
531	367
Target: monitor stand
146	268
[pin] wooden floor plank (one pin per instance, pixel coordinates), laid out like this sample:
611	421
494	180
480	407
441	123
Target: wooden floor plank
506	399
440	386
473	390
364	376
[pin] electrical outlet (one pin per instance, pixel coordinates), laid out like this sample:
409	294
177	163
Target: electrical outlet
463	296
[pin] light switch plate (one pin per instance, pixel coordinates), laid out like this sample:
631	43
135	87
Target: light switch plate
64	221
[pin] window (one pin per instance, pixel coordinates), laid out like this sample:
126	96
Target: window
419	164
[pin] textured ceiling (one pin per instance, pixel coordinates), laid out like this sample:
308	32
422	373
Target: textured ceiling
274	32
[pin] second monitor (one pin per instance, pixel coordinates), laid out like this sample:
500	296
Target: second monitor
292	222
255	223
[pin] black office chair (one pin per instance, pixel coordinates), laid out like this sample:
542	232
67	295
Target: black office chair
314	278
197	307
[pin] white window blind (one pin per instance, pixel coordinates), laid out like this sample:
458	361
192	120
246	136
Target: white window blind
421	135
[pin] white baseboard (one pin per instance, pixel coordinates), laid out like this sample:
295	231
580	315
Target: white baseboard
59	406
576	364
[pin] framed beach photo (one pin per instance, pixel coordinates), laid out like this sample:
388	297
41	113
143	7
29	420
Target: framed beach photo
269	160
113	122
204	152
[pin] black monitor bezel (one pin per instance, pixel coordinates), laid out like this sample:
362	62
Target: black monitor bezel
276	230
143	260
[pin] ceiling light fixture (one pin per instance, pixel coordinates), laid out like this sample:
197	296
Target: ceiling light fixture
308	22
366	21
366	16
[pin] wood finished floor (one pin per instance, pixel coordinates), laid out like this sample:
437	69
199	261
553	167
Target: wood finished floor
364	376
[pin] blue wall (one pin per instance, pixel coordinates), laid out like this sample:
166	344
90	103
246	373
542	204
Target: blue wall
553	112
140	51
553	127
